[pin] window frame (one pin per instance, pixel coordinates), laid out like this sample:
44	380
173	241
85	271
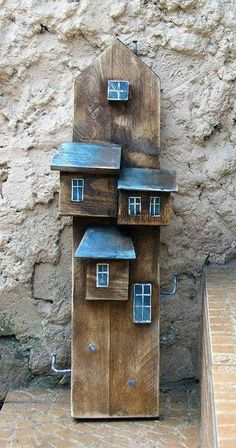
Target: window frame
154	205
98	265
77	186
142	306
118	90
135	205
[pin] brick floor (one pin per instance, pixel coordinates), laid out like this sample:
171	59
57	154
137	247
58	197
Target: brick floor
221	304
41	418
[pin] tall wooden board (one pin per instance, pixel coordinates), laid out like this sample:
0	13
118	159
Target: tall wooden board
134	124
125	350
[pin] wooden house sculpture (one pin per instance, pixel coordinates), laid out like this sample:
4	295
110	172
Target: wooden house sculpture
112	186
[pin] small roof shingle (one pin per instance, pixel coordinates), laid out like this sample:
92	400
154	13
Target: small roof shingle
106	242
147	180
87	157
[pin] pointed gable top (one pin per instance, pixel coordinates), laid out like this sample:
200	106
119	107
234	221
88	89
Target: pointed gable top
106	243
92	157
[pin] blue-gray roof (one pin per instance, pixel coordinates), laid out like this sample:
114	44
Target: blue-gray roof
91	157
106	242
147	180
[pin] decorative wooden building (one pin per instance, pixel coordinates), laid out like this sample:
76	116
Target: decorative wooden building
115	308
106	252
88	178
144	196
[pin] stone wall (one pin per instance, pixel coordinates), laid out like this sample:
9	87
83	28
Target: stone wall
44	45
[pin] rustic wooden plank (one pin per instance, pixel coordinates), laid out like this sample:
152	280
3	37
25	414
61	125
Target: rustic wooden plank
134	348
100	195
90	324
88	157
126	350
118	281
145	218
134	124
106	242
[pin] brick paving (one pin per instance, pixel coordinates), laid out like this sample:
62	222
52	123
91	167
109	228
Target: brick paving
41	418
221	297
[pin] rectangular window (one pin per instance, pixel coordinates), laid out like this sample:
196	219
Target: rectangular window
134	206
77	190
102	275
142	306
155	206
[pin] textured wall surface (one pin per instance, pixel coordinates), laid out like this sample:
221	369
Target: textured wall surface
44	45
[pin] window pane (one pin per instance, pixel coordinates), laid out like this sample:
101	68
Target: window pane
134	206
138	289
142	303
146	300
146	288
147	314
155	206
138	300
102	275
102	279
113	95
77	190
138	314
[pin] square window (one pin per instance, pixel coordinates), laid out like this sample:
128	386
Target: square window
155	206
102	275
142	303
118	90
77	190
134	206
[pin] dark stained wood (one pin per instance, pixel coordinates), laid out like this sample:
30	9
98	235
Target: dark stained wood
90	324
145	218
124	350
118	281
100	195
134	124
134	348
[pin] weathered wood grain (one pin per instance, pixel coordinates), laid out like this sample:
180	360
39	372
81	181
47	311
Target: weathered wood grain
134	124
124	350
145	218
90	324
100	195
134	348
118	281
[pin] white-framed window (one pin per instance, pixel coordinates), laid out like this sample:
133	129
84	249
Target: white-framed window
102	275
155	206
134	205
118	90
142	303
77	190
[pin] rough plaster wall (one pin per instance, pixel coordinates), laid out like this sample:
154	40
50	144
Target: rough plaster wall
44	45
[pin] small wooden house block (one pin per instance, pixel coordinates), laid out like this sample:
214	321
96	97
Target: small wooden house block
144	196
88	178
106	252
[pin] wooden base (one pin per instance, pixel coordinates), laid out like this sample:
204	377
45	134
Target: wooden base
125	351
